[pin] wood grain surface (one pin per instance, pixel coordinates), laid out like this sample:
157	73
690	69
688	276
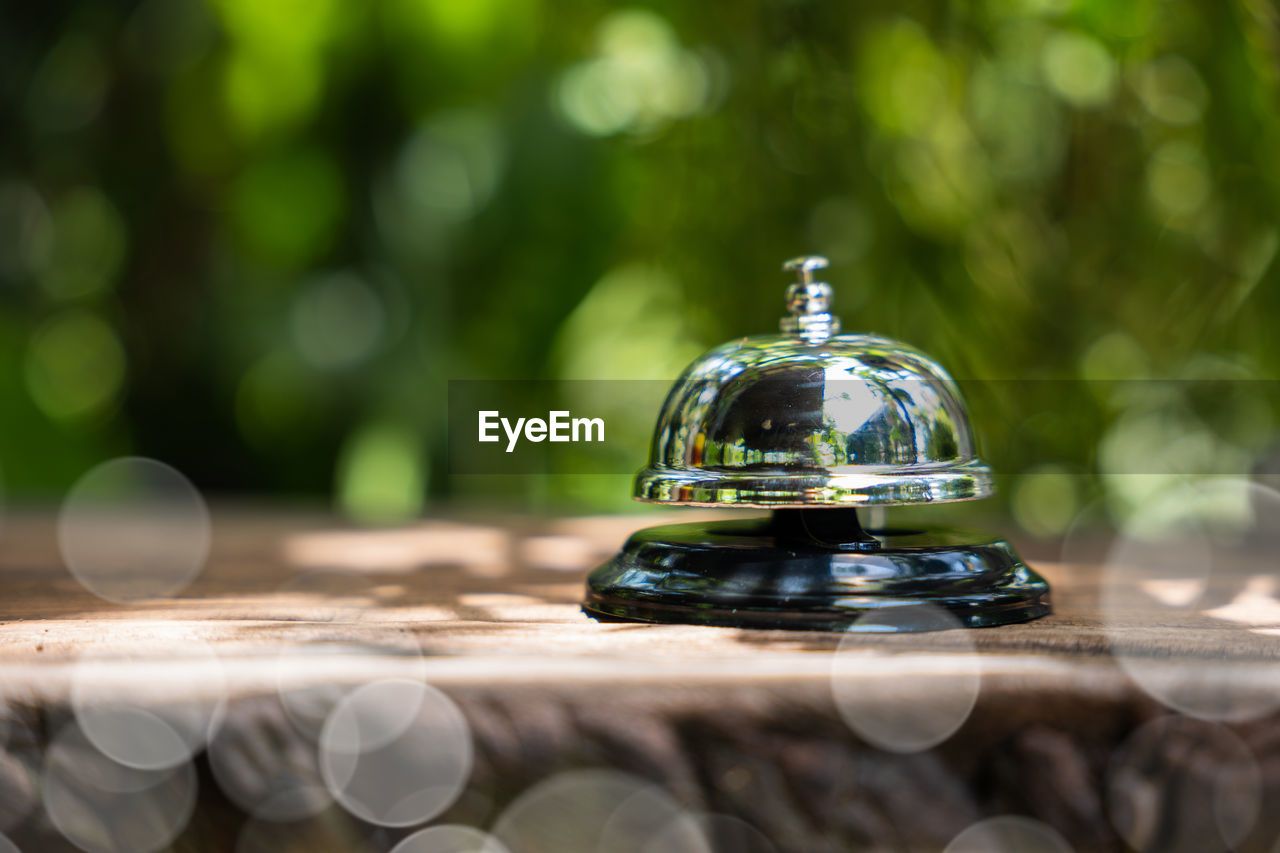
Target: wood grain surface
725	721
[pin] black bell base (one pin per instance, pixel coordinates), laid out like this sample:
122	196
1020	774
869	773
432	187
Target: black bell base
813	570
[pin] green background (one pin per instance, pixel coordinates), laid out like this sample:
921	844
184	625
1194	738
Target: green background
254	239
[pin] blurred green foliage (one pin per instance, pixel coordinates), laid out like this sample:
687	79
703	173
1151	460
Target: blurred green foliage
256	238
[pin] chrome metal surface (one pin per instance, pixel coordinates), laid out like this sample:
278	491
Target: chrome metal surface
812	424
806	419
809	301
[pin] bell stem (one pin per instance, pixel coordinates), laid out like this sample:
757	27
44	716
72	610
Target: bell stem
827	527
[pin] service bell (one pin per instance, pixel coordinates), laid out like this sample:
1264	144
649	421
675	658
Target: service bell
812	424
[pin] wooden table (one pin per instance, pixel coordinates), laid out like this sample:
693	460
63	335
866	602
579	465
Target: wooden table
733	722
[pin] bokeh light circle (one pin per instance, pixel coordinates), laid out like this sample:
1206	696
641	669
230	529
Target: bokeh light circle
645	817
877	692
134	529
134	737
312	679
1190	599
395	752
337	320
450	838
584	811
1009	834
267	767
1182	784
102	806
154	714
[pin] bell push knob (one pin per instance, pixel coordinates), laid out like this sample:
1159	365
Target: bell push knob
809	301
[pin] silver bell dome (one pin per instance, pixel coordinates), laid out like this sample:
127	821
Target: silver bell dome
811	417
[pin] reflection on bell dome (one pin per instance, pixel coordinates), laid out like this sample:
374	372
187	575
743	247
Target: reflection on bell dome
778	420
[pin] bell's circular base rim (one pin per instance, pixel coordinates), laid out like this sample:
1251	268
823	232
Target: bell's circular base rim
847	487
741	575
